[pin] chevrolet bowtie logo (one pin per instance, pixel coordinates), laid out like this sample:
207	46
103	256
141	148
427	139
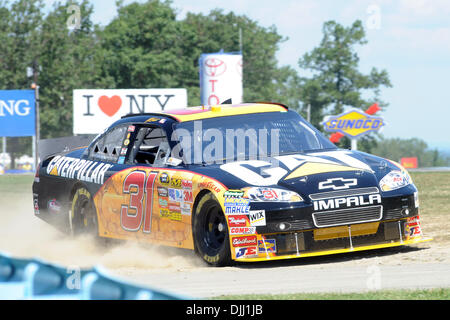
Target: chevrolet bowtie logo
337	183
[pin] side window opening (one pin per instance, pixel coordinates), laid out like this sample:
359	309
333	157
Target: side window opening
151	147
107	147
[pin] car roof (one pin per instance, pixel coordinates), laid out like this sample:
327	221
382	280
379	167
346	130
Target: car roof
206	112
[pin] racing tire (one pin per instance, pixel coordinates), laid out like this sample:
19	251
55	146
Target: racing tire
210	232
83	216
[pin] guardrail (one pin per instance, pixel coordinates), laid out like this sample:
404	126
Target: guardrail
37	279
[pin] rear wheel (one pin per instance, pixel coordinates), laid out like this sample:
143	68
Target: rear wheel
211	232
83	216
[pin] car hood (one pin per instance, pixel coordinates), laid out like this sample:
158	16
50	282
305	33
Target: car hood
304	173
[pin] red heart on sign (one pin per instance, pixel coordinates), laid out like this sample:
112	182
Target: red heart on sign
109	106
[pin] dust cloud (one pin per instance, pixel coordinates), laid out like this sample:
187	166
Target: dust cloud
23	235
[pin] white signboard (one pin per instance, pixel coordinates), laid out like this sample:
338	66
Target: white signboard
96	109
220	78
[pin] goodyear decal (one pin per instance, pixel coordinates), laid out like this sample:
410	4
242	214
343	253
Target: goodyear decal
80	169
353	124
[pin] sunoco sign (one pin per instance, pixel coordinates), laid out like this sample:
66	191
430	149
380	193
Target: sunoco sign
353	124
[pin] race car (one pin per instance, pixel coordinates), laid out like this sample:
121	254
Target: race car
248	182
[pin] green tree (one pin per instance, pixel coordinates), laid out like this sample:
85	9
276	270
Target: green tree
397	148
68	60
19	46
335	80
145	46
140	47
263	79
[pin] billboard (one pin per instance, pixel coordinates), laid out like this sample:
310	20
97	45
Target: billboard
220	77
354	123
409	162
96	109
17	113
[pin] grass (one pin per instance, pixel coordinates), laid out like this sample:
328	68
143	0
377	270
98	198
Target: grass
434	191
15	184
420	294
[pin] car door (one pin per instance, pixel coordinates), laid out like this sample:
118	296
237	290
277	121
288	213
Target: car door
144	199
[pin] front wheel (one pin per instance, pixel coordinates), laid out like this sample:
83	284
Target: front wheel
211	232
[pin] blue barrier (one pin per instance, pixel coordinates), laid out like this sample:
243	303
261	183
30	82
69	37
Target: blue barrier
100	285
12	277
38	279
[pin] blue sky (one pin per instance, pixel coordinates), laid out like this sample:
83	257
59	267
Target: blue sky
408	38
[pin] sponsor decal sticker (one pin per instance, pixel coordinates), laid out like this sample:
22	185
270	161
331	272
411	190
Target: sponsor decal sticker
242	230
263	173
163	192
237	221
175	215
267	246
152	119
175	182
54	206
185	209
257	218
162	202
244	241
175	195
209	185
174	207
412	228
236	206
246	252
164	178
186	184
233	193
36	206
80	169
188	196
173	161
164	213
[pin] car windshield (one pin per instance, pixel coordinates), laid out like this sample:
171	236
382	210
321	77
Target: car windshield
246	137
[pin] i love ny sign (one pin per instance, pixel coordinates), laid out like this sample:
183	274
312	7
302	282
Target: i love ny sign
96	109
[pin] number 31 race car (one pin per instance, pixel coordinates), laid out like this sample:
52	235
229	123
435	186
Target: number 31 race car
249	182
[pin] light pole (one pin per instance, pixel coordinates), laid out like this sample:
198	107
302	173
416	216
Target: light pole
35	86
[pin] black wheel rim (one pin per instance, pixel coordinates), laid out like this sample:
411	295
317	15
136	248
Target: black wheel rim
85	219
214	228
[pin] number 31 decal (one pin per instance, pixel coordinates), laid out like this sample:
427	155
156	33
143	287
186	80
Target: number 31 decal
139	210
